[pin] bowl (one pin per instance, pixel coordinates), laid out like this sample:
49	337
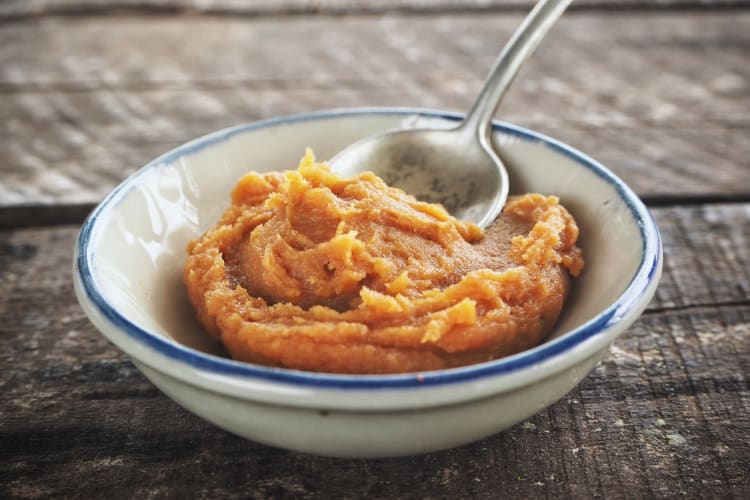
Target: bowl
128	279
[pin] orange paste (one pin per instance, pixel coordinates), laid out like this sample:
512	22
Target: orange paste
311	271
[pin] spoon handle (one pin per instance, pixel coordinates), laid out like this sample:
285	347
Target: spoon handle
523	42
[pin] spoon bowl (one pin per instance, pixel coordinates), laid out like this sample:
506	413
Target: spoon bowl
452	167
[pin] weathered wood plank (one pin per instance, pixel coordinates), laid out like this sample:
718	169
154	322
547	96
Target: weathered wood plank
80	113
595	53
85	149
666	414
706	257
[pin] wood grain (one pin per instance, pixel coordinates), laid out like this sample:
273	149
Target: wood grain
632	90
78	418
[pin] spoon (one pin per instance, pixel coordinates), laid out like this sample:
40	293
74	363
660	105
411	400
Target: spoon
457	167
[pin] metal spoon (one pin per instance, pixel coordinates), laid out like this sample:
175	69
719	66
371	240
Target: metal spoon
457	167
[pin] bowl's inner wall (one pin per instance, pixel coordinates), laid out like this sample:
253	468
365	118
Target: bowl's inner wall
140	238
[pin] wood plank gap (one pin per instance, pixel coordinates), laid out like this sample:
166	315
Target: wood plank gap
668	200
87	10
655	311
206	85
36	215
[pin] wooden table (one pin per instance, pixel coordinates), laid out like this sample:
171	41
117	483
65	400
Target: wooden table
658	90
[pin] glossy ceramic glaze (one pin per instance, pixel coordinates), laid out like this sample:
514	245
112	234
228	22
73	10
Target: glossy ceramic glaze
131	250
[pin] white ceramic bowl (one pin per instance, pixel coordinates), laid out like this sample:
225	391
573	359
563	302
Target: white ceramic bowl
131	250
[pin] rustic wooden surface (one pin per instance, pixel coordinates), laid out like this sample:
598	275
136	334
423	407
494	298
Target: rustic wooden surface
660	98
91	90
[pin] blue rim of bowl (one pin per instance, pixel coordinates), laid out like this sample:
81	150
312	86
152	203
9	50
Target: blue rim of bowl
630	298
